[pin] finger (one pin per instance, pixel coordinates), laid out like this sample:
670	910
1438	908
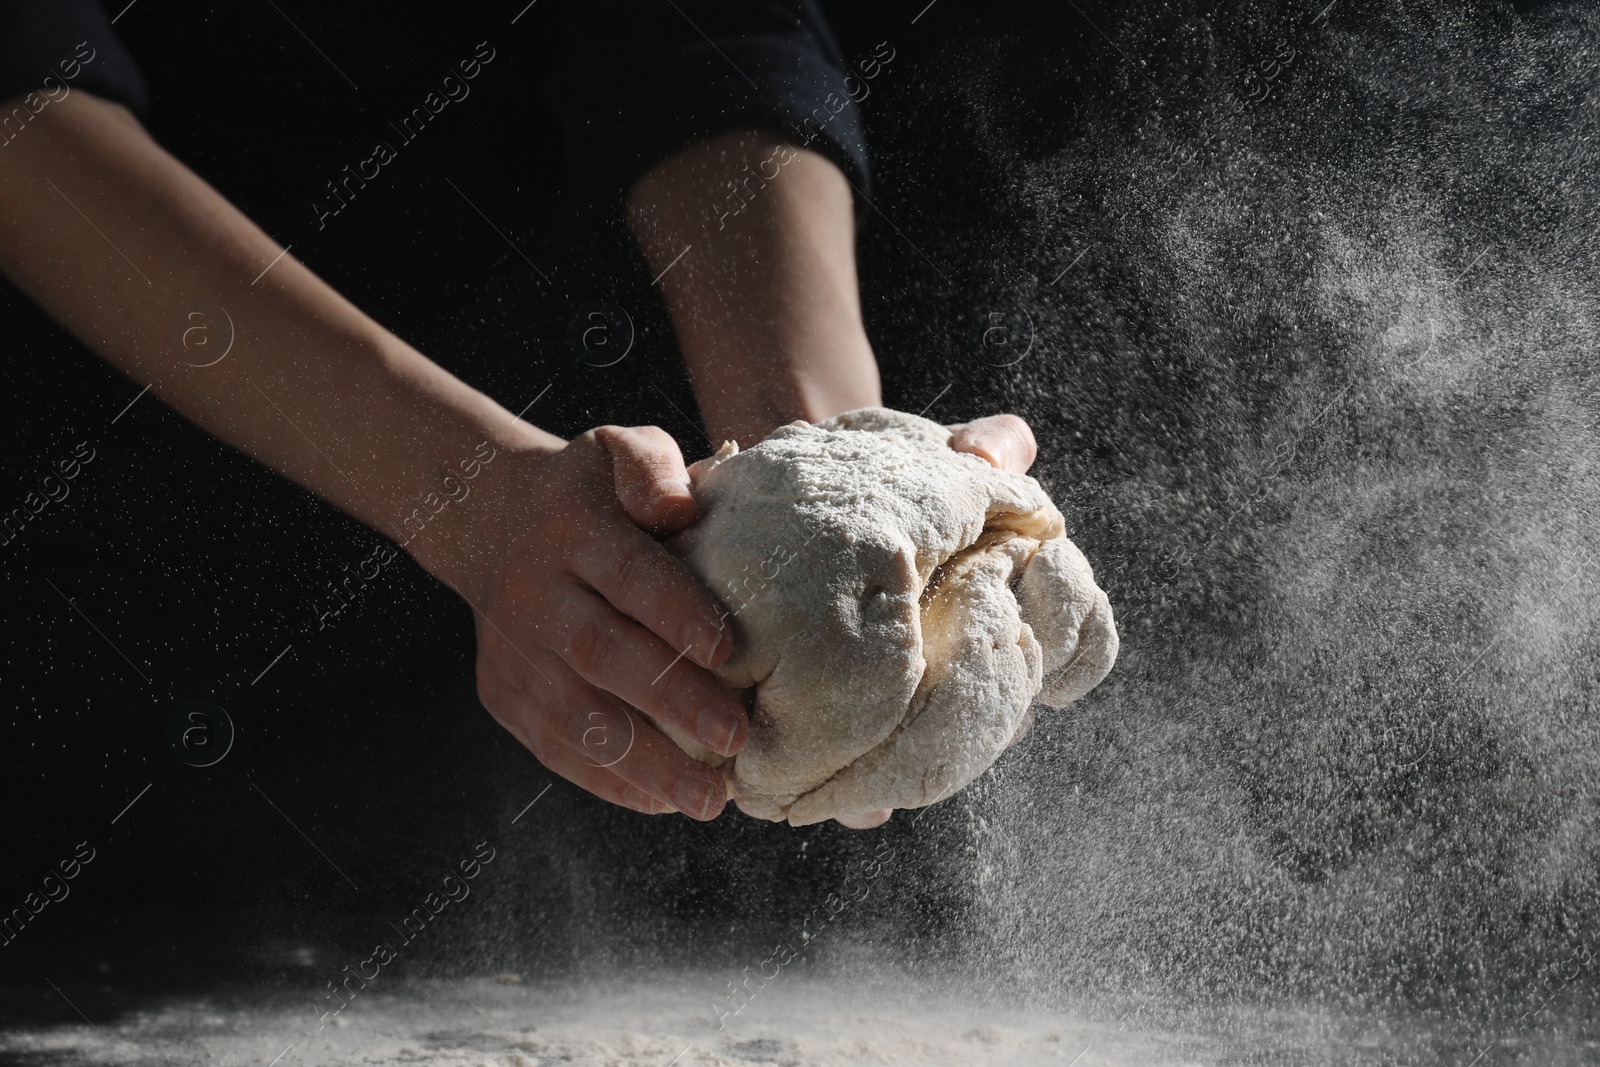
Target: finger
1005	441
606	733
618	655
644	581
624	743
865	820
504	703
602	782
651	480
507	661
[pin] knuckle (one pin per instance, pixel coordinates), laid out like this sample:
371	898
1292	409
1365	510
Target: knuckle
590	645
639	800
598	447
648	449
609	437
557	729
566	726
635	563
653	437
604	733
512	597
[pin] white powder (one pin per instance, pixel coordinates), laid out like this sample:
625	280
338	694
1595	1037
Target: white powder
898	606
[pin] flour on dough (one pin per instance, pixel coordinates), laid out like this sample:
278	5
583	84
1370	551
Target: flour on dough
896	606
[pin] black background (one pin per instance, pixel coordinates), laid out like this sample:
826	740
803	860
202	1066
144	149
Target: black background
202	567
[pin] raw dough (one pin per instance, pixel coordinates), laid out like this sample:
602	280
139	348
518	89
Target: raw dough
897	606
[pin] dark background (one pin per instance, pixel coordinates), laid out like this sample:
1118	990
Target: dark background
1240	807
202	567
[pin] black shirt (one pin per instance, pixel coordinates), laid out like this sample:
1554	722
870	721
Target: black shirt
643	80
51	45
639	80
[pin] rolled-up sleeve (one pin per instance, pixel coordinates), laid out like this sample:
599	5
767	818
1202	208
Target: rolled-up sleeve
50	47
643	80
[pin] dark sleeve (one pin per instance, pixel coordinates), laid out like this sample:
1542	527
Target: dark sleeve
642	80
58	45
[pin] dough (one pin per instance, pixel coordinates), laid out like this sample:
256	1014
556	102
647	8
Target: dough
896	606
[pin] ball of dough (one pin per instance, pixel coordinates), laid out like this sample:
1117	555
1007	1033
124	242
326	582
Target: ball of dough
896	607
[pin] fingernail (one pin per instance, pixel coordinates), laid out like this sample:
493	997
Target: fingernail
699	798
719	730
708	638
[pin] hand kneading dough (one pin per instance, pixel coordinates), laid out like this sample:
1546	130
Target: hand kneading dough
897	606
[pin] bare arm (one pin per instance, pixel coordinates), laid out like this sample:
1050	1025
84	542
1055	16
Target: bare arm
120	243
765	302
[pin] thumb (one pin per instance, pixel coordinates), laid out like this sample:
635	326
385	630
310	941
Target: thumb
1004	440
650	478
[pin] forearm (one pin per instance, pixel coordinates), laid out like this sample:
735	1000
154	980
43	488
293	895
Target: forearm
765	303
124	245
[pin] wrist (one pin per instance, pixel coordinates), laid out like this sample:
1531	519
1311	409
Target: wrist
460	529
764	305
780	384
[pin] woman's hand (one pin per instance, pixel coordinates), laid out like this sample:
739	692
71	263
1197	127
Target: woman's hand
589	631
1006	442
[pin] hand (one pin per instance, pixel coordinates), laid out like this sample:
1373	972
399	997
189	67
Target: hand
544	541
589	632
1006	442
